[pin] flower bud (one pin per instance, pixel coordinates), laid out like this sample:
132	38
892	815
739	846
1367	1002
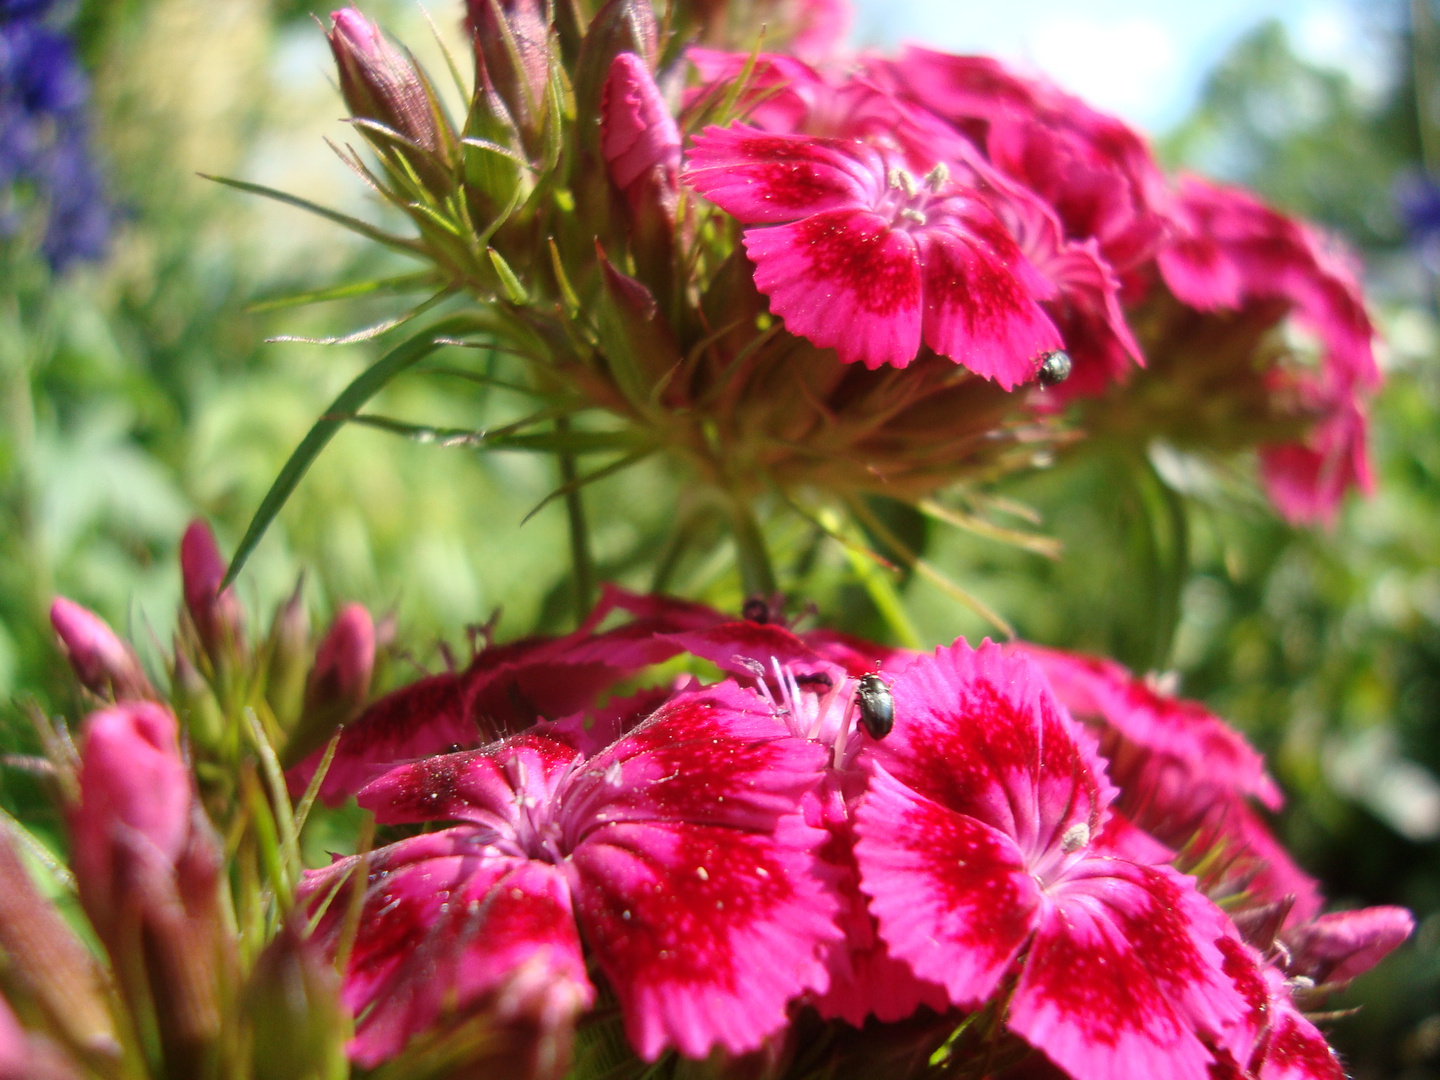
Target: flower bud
24	1056
289	659
382	84
102	662
148	867
299	1027
512	48
339	682
638	136
195	702
216	614
48	964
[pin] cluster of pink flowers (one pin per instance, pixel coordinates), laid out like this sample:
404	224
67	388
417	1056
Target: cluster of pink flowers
946	203
726	853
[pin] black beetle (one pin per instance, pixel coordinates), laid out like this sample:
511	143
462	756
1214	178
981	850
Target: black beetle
1055	368
877	707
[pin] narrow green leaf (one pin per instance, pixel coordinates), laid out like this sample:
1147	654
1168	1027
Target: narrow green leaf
469	437
399	283
365	229
365	386
369	332
589	478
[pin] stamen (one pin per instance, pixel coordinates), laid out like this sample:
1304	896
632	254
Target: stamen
1075	837
913	215
899	178
937	177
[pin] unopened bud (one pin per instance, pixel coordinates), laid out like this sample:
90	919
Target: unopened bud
216	614
512	48
24	1056
339	682
102	662
384	85
195	702
148	866
638	136
134	791
289	659
299	1026
47	963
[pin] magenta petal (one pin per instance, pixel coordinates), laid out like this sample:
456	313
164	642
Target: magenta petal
449	928
764	178
846	280
1296	1050
716	756
1122	974
486	787
951	895
731	644
705	932
978	313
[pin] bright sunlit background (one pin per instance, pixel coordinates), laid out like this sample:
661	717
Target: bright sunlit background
1144	60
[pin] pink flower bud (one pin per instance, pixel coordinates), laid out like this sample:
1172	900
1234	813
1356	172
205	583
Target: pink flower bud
149	868
339	681
48	965
344	661
1337	947
134	800
102	662
638	136
512	47
383	84
216	614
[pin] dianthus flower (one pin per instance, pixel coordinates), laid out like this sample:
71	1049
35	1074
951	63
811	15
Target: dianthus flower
983	848
860	253
1096	172
678	854
1186	777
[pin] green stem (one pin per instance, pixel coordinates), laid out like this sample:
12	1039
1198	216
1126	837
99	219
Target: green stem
581	558
757	576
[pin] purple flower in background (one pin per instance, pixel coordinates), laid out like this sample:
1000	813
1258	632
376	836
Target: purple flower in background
44	138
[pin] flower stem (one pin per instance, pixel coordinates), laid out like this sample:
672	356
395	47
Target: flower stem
757	576
581	558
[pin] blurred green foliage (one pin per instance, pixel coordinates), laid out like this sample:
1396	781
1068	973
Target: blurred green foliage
141	392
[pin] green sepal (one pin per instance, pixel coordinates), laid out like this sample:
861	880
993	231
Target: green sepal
639	344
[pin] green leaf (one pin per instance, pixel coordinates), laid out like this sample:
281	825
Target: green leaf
365	229
365	386
599	474
399	283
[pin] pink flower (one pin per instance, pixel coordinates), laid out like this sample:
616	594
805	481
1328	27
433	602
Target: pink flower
1307	480
1212	755
1272	1041
981	847
1086	305
1231	249
101	661
1185	777
678	854
1097	173
858	254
